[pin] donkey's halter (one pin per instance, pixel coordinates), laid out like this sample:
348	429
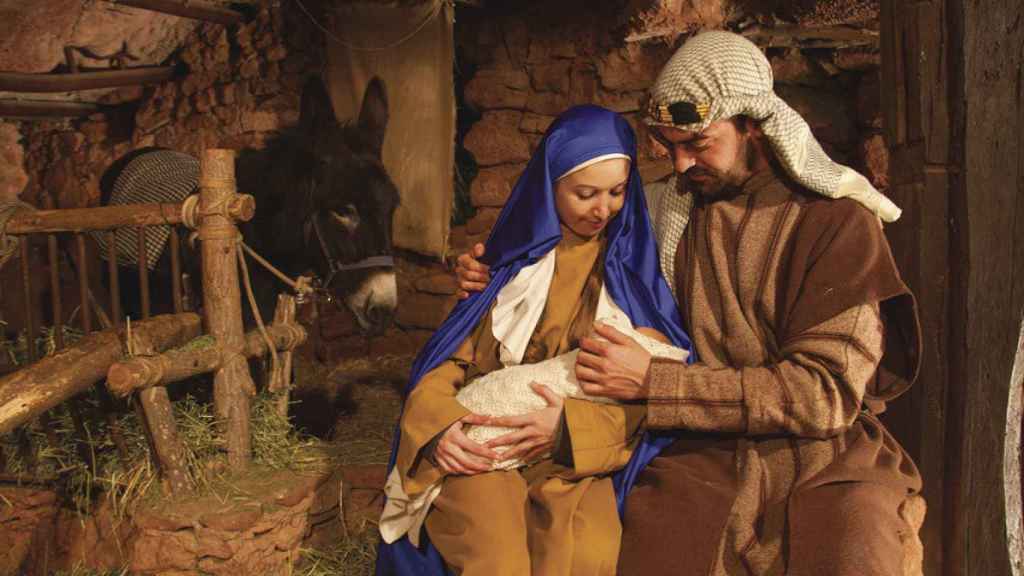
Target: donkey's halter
334	266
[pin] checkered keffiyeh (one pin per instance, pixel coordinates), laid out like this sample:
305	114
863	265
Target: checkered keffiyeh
722	75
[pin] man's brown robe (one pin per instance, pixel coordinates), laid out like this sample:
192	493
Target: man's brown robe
801	324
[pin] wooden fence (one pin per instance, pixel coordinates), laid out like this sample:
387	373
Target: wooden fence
131	356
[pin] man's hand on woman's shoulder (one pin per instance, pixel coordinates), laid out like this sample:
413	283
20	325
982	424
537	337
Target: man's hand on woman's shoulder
471	274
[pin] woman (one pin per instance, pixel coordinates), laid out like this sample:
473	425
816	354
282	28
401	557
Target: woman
574	228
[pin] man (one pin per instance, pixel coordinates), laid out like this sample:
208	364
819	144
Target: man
802	328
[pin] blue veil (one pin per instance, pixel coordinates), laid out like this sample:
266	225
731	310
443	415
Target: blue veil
526	230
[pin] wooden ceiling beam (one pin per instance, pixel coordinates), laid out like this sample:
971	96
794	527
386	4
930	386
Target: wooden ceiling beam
194	9
19	82
47	109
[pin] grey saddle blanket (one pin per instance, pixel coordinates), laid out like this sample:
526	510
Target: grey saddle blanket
160	176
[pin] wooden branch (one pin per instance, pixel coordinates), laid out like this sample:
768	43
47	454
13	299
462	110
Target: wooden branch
158	415
35	389
18	82
141	372
195	9
47	109
232	383
110	217
811	37
280	381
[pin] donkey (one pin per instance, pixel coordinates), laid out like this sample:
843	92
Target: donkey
324	205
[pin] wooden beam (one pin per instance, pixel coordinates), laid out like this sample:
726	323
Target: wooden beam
195	9
242	207
142	372
47	109
810	37
29	392
19	82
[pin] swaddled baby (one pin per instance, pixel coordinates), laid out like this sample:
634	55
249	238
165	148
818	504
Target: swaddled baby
507	392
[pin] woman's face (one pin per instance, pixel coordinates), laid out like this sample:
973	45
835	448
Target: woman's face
588	199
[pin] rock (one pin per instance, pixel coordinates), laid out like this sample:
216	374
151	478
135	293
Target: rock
621	102
233	519
535	123
496	139
297	491
793	67
628	69
259	121
547	103
498	88
167	522
551	77
492	186
424	310
482	222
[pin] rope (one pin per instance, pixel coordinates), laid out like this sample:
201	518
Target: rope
9	245
275	367
433	13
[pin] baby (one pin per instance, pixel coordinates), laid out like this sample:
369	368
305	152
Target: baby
507	392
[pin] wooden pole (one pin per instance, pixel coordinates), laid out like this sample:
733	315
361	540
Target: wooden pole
33	390
114	280
19	82
83	285
284	314
99	218
142	372
158	415
232	386
10	108
188	9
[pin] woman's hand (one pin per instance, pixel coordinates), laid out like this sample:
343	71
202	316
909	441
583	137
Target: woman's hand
455	453
613	368
536	430
472	275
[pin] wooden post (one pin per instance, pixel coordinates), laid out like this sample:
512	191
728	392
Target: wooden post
284	314
19	82
188	9
232	386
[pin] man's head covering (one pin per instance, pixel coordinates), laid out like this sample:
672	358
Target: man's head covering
717	75
526	230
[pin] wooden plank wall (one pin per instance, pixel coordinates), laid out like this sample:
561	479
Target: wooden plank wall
954	112
917	130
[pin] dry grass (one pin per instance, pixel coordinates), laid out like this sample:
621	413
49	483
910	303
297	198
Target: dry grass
362	434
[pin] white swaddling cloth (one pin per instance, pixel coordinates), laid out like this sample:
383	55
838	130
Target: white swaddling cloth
507	392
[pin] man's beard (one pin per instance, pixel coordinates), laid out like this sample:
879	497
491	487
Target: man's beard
718	185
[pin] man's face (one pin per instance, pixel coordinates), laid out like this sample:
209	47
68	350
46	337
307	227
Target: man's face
715	162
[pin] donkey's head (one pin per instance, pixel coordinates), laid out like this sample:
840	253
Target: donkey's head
348	203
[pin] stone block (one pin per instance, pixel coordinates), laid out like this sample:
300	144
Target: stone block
259	121
535	123
482	222
498	88
628	69
551	76
492	186
496	139
793	67
621	102
547	103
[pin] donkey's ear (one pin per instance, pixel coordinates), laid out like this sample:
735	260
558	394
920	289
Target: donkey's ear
316	110
373	117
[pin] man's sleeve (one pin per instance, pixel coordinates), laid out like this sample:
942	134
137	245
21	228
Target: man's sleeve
814	391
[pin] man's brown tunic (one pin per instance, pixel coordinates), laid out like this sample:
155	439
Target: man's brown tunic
800	321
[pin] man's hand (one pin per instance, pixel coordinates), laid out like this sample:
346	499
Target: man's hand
472	275
616	368
457	454
536	430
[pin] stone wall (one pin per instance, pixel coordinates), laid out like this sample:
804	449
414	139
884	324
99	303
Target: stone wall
520	64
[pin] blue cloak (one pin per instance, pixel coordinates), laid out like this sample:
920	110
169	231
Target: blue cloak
526	230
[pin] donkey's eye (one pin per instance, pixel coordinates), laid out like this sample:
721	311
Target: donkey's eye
347	216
